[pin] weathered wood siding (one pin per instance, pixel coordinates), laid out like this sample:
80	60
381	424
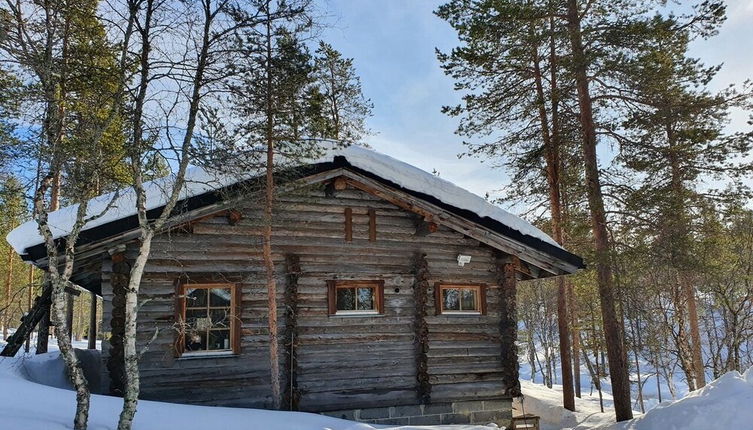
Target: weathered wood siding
342	362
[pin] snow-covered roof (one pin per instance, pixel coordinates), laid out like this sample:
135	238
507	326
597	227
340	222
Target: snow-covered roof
200	181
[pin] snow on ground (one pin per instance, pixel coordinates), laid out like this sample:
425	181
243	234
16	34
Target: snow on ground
725	403
547	404
41	405
648	376
27	405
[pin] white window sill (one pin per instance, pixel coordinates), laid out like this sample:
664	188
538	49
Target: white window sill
462	313
356	314
210	354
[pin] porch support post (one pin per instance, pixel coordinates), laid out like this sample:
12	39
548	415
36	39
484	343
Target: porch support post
508	324
420	327
43	332
93	322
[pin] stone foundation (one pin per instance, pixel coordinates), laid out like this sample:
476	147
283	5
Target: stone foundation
471	412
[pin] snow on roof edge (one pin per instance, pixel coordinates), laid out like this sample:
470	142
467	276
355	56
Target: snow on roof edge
199	181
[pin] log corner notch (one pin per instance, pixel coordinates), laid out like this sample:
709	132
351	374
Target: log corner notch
337	184
234	216
116	361
508	323
425	227
421	328
291	395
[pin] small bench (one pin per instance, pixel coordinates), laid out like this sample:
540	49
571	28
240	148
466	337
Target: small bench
525	422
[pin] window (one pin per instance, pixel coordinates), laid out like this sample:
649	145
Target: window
460	299
208	315
355	297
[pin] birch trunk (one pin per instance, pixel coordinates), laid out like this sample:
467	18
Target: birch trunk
130	352
75	372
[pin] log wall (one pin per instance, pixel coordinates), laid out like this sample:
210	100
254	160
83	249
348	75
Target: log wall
340	362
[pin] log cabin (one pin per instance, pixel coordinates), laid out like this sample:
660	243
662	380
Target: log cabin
396	292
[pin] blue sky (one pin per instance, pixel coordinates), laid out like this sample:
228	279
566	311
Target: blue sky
392	43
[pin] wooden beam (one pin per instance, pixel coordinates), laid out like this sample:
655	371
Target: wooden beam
38	314
372	225
43	333
93	322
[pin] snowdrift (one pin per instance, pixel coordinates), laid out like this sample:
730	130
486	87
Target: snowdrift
725	403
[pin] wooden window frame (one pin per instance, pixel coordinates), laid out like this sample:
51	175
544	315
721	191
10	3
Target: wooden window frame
235	321
480	298
334	285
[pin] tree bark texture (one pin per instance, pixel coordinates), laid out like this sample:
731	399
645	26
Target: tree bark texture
269	265
292	394
130	353
75	372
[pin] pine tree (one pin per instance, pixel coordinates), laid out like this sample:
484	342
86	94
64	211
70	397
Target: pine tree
673	140
273	79
516	93
337	102
41	44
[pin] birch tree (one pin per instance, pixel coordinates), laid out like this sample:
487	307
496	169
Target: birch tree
205	28
38	43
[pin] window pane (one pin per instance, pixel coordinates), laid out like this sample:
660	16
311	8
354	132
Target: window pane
346	299
366	299
219	297
220	318
196	319
196	340
219	339
196	297
451	299
468	299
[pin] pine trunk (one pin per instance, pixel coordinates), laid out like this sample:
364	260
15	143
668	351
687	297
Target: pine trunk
695	335
269	265
550	138
612	326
